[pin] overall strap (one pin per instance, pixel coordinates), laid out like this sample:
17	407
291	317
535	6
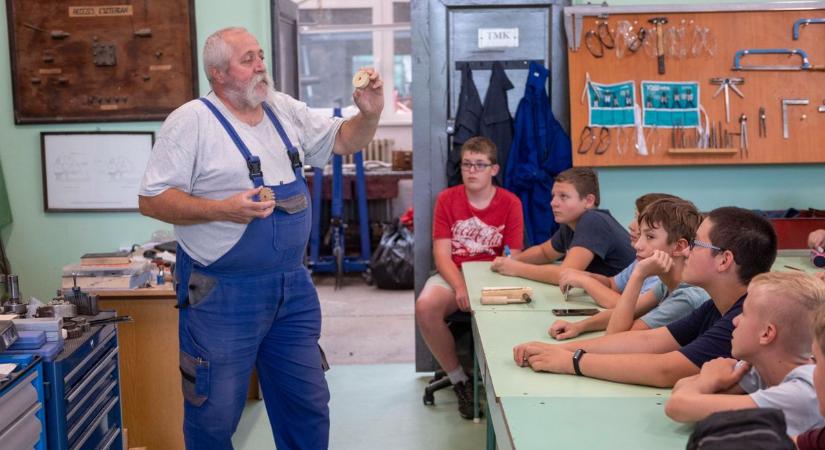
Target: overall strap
294	156
252	161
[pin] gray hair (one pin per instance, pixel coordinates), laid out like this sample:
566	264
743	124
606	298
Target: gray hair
216	51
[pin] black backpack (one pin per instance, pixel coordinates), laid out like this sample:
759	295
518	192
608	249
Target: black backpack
747	429
392	262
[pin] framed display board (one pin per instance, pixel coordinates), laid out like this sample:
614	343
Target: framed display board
93	171
770	53
100	61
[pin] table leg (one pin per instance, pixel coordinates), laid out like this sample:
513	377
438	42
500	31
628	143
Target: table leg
491	432
476	417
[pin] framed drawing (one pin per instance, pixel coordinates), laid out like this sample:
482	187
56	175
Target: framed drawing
102	61
93	171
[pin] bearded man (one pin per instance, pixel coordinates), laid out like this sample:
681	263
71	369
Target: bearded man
227	172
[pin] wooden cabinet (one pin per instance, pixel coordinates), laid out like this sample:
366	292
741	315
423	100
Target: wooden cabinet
150	380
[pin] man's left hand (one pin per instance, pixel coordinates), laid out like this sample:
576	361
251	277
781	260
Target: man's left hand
370	100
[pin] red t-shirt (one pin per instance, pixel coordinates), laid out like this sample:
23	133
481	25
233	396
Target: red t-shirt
478	234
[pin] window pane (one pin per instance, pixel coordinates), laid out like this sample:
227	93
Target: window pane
402	72
335	16
400	12
328	62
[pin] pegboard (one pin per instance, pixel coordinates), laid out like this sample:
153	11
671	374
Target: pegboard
733	28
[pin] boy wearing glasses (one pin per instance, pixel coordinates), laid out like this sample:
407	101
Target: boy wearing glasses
772	341
732	246
588	238
473	221
667	227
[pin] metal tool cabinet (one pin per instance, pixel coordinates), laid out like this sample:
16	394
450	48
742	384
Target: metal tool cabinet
22	419
83	393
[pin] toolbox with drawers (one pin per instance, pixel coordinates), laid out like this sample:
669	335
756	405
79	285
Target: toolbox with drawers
83	393
22	418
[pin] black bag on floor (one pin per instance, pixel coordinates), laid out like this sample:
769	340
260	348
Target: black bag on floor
392	263
751	429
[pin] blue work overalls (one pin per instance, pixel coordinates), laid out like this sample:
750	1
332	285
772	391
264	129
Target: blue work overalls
255	306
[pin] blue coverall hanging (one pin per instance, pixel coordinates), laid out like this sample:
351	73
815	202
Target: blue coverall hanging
541	149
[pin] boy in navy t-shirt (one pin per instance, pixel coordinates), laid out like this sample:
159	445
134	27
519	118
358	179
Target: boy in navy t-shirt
588	239
732	246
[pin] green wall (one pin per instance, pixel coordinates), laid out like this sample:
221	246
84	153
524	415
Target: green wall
39	244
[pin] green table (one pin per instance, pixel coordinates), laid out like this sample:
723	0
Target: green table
529	410
591	423
478	275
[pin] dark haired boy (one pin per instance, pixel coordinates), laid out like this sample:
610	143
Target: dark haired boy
588	238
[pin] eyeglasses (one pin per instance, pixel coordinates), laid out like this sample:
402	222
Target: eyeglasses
468	166
698	243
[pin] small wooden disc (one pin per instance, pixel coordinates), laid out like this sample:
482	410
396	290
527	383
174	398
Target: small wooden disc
266	194
361	79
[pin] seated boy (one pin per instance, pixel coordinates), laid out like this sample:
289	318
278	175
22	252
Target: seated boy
772	340
588	238
732	246
473	221
815	439
606	290
667	228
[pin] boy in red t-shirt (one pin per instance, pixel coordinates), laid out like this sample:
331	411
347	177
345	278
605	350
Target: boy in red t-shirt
473	221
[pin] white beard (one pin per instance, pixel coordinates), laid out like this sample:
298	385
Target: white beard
247	95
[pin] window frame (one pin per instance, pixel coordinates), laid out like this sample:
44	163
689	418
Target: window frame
383	45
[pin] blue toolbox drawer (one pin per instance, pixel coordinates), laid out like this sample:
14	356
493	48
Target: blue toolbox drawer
22	417
83	410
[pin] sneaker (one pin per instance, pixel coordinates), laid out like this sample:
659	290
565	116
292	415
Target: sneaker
464	392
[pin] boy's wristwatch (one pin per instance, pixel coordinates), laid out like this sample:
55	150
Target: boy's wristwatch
577	356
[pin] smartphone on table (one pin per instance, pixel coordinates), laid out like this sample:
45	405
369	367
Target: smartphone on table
575	312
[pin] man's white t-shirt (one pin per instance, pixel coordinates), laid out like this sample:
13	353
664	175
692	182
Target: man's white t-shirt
194	154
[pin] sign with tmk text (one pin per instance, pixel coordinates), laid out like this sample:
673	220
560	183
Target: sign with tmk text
497	37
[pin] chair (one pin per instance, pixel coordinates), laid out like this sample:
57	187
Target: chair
460	324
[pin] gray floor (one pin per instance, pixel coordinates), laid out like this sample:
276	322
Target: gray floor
368	337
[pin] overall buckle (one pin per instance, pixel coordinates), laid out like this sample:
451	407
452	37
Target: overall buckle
295	159
254	165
